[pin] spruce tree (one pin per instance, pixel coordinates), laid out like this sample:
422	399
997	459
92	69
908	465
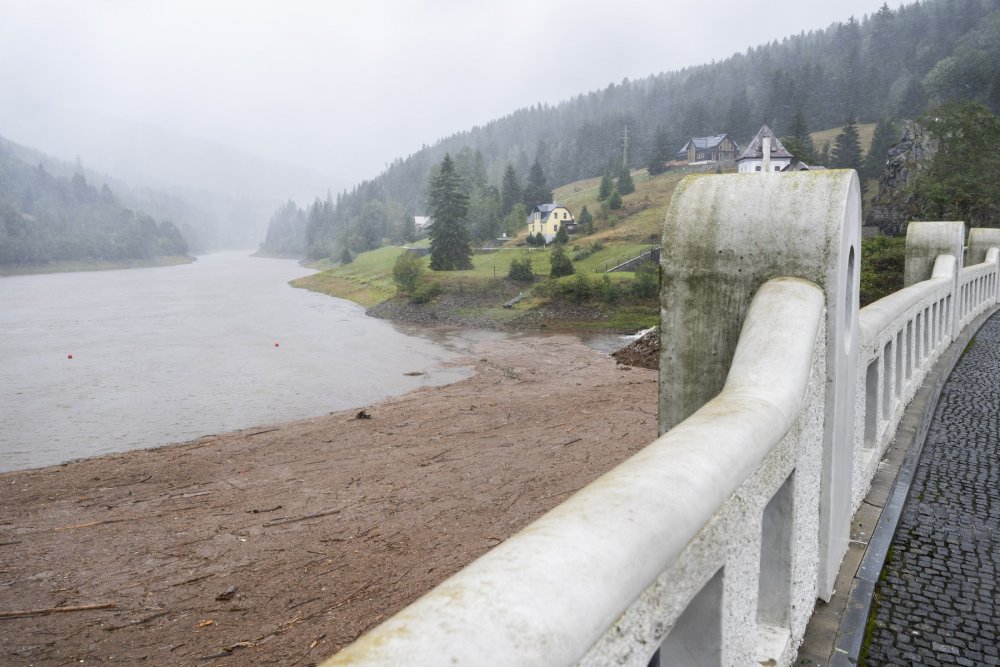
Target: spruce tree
561	264
660	154
449	238
846	153
535	190
625	184
408	228
585	223
510	190
562	236
886	135
615	200
604	191
799	142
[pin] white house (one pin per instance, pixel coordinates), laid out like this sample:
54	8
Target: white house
765	153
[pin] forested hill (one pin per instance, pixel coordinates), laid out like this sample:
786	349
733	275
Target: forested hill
46	218
897	63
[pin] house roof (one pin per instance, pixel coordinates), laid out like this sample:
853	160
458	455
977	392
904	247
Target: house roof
755	150
705	143
545	209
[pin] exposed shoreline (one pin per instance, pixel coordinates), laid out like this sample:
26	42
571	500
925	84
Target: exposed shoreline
323	526
73	266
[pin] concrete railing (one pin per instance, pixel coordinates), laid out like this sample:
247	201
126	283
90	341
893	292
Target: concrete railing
902	336
977	289
778	398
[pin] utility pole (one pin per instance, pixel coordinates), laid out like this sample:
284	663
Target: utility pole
625	147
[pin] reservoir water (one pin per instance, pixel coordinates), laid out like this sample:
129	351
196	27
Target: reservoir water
169	354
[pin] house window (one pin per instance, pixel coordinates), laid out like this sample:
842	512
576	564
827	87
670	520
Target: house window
757	168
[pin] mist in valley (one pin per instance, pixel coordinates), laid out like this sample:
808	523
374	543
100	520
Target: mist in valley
212	116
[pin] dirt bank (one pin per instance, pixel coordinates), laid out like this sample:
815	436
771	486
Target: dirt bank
280	544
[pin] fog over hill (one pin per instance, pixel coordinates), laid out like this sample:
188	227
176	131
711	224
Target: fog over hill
237	190
344	88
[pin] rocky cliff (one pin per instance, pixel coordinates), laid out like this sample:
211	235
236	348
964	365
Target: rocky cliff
895	205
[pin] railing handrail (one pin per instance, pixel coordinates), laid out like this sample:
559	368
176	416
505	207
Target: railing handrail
878	316
550	592
976	270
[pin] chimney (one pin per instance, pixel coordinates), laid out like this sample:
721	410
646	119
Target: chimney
767	155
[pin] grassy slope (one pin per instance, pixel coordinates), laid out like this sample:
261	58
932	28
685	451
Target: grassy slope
865	134
624	233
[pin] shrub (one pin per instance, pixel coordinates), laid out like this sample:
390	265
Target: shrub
561	264
646	284
579	288
521	271
607	291
425	292
882	262
584	253
407	272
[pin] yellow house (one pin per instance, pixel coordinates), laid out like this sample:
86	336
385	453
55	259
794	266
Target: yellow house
548	218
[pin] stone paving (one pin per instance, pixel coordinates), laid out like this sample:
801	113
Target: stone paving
938	601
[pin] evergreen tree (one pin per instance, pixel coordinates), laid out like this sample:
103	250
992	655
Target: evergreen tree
408	228
510	190
604	191
824	155
561	264
615	200
660	154
626	185
963	181
520	270
799	142
372	225
846	153
885	137
535	190
562	236
514	222
449	238
585	223
484	216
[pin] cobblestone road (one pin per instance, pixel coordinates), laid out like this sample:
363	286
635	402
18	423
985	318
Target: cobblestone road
938	602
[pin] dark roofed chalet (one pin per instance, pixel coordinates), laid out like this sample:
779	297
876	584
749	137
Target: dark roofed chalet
716	148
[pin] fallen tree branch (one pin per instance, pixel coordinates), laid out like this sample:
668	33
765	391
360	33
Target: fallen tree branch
91	523
314	515
56	610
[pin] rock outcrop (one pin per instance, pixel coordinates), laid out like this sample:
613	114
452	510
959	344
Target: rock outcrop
895	205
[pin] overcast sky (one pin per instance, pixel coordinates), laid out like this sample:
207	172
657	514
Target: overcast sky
344	87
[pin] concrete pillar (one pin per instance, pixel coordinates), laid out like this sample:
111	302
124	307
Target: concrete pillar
981	240
724	236
925	241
